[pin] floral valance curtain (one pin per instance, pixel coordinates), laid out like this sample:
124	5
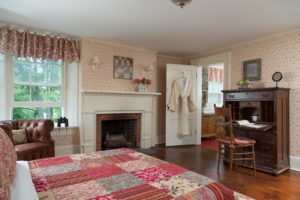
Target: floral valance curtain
28	44
215	74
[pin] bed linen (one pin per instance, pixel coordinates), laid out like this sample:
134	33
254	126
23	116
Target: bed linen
22	187
121	174
8	158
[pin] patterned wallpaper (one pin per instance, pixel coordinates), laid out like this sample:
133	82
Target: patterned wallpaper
101	78
64	136
278	53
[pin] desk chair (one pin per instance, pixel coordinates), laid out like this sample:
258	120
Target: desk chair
240	148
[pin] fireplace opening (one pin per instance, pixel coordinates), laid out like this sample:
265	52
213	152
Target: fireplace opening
118	134
118	130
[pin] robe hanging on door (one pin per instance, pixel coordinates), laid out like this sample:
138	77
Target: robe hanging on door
182	96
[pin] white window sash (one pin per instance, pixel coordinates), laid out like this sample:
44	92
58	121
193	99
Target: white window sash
209	107
33	104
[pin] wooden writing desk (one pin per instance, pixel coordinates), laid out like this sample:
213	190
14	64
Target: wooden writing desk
272	106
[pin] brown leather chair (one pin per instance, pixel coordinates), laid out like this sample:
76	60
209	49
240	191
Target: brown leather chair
39	145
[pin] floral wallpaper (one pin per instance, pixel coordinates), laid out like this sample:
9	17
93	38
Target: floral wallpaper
69	136
101	77
278	53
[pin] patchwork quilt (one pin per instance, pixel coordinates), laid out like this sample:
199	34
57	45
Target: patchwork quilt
121	174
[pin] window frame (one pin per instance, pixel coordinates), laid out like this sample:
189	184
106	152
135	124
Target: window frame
210	109
33	104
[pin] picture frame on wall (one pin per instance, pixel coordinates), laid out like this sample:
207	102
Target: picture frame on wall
123	67
252	70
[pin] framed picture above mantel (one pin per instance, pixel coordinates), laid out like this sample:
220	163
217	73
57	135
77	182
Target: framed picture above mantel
252	70
123	67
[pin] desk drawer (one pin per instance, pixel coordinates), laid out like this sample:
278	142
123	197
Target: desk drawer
249	95
264	95
235	96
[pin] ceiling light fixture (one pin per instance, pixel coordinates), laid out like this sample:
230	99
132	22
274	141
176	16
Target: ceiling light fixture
181	3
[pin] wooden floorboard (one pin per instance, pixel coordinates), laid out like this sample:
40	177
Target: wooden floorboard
204	161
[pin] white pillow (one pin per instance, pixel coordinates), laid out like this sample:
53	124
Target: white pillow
22	187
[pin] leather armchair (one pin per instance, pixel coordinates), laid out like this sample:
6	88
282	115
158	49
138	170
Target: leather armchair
39	145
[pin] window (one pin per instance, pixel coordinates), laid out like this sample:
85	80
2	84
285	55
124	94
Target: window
38	89
215	86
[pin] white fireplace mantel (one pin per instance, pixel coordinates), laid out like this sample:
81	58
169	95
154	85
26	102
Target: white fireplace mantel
119	92
94	102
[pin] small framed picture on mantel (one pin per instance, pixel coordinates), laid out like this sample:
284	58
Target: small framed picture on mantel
252	70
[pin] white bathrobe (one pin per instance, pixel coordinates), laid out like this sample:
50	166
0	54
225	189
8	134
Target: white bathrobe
182	96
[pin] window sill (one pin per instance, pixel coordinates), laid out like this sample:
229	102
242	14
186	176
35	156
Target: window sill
63	128
70	131
208	114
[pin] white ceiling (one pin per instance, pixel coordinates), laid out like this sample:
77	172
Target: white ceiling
158	25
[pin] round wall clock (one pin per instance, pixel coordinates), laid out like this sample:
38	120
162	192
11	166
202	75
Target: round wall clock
277	76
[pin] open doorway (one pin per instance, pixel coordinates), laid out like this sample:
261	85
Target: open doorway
215	73
212	86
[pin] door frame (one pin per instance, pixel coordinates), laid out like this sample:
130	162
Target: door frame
198	99
199	105
203	61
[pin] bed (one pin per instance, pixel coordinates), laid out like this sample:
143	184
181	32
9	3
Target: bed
105	175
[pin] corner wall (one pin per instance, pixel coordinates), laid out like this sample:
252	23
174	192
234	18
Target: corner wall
278	53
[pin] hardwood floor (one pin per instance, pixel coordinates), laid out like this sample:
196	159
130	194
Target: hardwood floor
204	161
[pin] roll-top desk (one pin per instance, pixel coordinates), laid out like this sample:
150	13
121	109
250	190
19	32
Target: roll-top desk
272	107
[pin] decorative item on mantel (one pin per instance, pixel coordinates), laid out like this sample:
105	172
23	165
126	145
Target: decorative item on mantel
142	84
244	84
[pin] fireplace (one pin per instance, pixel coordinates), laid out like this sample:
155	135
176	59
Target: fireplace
118	131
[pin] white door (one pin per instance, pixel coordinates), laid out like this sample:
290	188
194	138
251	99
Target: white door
173	136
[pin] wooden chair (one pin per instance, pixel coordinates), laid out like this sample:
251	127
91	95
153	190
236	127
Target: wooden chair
240	148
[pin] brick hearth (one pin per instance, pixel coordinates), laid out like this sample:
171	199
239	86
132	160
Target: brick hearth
119	116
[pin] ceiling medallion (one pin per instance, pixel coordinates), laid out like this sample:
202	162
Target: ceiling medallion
181	3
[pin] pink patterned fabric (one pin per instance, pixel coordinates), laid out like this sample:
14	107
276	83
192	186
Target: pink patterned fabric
215	74
121	174
54	161
244	141
104	171
173	169
8	159
152	174
4	182
27	44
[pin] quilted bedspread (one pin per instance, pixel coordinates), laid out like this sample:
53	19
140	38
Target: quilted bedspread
121	174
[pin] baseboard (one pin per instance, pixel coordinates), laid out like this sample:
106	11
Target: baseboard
67	150
295	163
